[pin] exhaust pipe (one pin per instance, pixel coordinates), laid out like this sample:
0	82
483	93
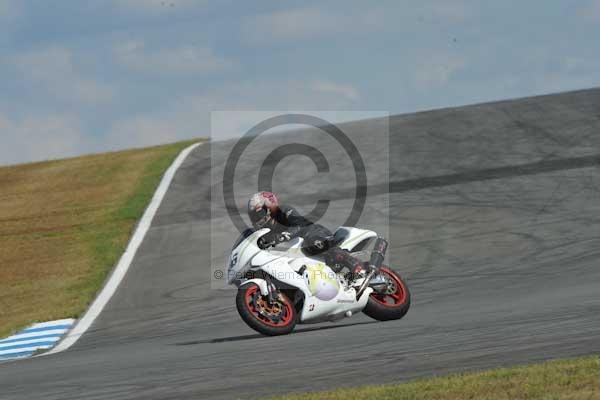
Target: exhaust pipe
377	257
378	254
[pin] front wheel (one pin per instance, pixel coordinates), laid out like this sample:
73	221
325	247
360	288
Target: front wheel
393	303
276	318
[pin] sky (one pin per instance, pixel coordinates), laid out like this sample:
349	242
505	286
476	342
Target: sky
79	77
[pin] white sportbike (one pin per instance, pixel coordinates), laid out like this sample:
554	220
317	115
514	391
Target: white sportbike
280	287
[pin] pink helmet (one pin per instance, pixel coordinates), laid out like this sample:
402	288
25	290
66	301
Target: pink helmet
261	208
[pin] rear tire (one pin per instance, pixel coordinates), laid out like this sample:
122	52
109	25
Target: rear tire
394	304
274	319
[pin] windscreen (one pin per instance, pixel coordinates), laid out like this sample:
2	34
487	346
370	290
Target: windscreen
242	237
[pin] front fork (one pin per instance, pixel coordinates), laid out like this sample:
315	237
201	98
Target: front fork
377	257
272	294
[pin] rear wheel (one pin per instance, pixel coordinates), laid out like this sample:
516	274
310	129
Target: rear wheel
276	318
391	304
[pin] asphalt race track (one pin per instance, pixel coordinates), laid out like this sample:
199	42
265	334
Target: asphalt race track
494	220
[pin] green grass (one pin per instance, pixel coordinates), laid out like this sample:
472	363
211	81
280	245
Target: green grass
573	379
65	223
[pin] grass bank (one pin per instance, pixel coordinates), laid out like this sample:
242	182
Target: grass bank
573	379
63	226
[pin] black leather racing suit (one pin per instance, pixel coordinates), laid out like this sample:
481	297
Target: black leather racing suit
317	238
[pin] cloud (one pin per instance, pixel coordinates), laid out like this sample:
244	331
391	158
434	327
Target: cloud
53	67
591	11
448	11
307	23
189	117
183	59
318	94
311	22
10	9
157	6
301	23
563	73
435	71
34	138
345	91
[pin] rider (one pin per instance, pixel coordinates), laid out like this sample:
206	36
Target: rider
286	223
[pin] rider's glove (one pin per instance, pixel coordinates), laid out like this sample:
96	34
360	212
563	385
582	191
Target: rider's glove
263	243
284	237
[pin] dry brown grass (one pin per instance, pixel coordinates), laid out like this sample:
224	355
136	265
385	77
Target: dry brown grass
63	225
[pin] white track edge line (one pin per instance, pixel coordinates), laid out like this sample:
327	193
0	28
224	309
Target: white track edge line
82	325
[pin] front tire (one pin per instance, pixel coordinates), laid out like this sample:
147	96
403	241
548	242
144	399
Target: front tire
278	318
394	303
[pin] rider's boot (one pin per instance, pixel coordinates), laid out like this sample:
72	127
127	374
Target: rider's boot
338	259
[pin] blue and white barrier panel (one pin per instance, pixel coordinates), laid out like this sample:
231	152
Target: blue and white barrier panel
42	336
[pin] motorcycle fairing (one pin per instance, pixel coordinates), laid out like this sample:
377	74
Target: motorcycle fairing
287	269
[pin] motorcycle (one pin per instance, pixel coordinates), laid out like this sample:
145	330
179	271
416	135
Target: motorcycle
279	288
